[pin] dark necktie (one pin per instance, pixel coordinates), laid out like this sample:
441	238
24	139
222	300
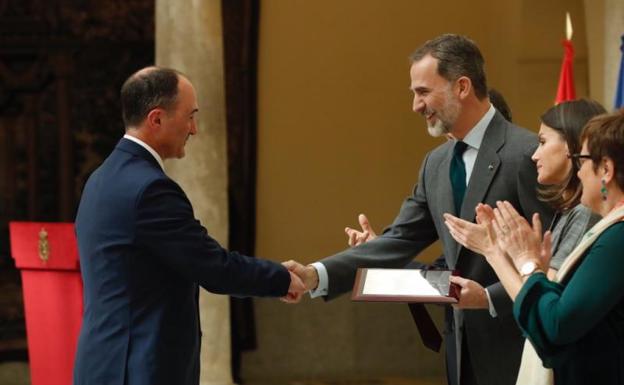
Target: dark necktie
426	327
458	175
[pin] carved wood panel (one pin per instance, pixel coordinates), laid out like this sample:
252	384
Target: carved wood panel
62	63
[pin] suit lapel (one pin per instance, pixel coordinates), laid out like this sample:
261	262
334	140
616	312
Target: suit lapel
485	167
447	203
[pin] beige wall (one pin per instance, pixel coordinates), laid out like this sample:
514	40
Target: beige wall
336	137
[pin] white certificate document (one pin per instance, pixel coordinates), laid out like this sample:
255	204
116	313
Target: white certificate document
397	282
404	285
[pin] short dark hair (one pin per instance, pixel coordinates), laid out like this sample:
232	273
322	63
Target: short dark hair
147	89
568	120
605	139
457	56
499	102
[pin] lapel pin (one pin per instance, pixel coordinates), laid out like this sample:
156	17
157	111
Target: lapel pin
490	167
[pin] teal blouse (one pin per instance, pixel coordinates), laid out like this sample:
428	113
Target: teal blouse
577	327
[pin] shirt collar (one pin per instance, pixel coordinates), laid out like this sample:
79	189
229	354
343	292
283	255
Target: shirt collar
148	148
475	135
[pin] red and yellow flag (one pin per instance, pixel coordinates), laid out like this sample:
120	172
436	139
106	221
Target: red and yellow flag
565	90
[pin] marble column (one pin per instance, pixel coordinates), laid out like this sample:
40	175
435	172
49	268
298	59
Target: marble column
189	39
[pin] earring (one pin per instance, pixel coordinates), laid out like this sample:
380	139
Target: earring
603	190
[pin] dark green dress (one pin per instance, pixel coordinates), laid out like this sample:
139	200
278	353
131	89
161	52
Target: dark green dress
577	327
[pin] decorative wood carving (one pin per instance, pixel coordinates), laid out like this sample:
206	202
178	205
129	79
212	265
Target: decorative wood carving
62	63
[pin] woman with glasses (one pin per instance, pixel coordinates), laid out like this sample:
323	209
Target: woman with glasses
559	137
577	323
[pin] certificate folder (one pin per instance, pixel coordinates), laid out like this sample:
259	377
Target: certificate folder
405	285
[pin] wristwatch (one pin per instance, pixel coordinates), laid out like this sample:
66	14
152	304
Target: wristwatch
528	268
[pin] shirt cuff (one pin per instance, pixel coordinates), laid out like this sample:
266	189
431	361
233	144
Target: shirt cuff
493	312
323	282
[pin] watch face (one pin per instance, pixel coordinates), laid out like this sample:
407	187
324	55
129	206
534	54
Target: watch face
528	268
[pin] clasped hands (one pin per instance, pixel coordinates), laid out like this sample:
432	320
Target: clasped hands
302	279
502	233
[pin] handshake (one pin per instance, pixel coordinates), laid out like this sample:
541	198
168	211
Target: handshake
302	279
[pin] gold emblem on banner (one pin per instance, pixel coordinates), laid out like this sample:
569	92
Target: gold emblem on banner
44	246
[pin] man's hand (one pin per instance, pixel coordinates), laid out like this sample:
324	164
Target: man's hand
295	290
358	237
472	295
307	274
485	213
471	235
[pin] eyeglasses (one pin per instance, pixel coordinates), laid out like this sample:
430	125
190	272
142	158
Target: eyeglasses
579	159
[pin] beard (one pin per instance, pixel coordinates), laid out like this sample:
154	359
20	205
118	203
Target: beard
437	129
446	116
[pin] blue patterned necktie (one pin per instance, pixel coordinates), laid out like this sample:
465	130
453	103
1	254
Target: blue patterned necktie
458	175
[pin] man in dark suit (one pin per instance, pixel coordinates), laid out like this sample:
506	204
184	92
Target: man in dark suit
486	160
143	254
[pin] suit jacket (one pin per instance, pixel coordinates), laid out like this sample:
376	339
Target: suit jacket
503	170
142	257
